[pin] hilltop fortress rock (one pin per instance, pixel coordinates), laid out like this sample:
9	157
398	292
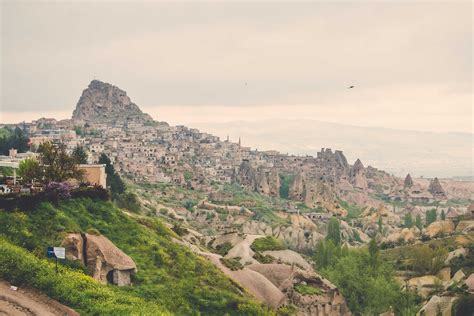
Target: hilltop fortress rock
104	103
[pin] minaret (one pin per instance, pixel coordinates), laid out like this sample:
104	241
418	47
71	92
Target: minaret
239	143
227	138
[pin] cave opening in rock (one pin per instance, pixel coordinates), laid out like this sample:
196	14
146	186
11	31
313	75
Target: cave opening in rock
110	277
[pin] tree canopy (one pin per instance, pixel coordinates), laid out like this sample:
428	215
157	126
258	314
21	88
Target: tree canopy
334	231
408	220
431	216
56	165
80	155
16	138
114	182
366	281
29	170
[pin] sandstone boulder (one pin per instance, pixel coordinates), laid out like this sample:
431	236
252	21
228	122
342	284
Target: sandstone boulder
458	276
424	285
439	228
444	274
289	257
454	254
405	235
465	227
470	283
438	306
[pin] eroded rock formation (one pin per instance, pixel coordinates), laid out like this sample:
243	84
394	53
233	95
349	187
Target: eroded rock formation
436	189
104	103
107	263
357	175
408	183
258	179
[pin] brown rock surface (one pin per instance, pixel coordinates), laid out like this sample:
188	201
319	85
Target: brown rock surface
103	102
107	262
357	175
436	189
437	228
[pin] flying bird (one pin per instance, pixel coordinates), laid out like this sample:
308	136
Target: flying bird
350	87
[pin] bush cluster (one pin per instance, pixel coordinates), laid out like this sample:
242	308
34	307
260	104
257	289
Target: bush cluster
267	243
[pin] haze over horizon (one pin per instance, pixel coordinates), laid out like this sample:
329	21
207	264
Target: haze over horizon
210	63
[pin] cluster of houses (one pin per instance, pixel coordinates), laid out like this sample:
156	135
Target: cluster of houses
94	174
157	152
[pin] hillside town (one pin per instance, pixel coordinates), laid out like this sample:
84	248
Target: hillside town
106	121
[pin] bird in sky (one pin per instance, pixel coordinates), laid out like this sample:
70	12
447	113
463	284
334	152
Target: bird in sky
350	87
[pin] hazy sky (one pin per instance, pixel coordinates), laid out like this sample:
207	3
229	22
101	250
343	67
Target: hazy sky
410	62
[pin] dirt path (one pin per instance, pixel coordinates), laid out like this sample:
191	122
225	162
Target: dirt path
27	301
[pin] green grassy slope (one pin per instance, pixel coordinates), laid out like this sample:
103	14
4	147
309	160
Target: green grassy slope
169	276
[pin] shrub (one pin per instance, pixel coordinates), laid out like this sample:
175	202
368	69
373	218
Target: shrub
189	204
307	289
267	243
179	230
232	263
224	248
96	192
129	201
263	258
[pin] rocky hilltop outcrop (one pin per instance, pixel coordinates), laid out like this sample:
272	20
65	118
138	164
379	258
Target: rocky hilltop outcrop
104	103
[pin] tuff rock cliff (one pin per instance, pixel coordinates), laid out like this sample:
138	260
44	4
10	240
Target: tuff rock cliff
104	103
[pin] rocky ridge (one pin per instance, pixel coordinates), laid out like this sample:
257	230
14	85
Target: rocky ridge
104	103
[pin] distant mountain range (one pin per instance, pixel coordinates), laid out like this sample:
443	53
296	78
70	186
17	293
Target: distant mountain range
426	154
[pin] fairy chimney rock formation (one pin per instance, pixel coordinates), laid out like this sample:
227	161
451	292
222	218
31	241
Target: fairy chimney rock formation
357	175
436	189
408	181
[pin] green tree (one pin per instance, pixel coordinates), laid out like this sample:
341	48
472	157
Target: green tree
418	222
327	253
408	220
79	131
443	215
431	216
29	170
114	182
425	260
367	290
380	223
373	253
56	164
16	138
80	155
334	231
